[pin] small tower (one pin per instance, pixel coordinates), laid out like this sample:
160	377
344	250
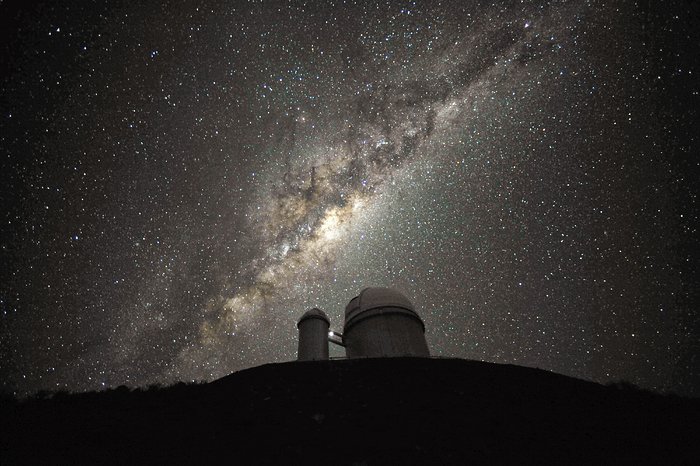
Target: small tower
382	322
313	335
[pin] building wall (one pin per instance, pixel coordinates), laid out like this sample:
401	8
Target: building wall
386	332
313	340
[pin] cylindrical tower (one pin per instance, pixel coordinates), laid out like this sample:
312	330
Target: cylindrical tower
382	322
313	335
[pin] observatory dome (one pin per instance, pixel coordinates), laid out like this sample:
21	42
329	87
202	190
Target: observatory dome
381	322
374	298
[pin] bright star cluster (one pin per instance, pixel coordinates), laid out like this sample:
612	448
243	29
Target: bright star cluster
181	183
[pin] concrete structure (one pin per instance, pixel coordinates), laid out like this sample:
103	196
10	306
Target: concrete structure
382	322
313	335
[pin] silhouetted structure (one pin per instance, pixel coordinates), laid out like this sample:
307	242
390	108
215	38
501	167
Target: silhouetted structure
407	411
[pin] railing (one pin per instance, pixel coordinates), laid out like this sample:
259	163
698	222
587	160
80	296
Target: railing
340	358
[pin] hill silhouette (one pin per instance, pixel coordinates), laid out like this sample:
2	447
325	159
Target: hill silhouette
363	412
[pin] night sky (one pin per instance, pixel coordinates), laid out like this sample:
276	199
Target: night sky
180	183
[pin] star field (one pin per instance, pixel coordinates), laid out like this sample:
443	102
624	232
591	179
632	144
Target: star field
179	184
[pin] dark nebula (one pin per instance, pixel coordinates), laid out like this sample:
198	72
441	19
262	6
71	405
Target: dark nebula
179	184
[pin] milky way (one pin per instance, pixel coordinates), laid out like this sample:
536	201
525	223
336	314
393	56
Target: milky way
181	184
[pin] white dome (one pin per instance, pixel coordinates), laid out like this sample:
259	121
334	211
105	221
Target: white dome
371	298
381	322
374	298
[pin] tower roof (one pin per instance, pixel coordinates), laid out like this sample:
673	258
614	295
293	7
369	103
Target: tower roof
314	313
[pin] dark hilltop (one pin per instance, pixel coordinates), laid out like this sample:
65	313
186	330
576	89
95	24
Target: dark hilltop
362	412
